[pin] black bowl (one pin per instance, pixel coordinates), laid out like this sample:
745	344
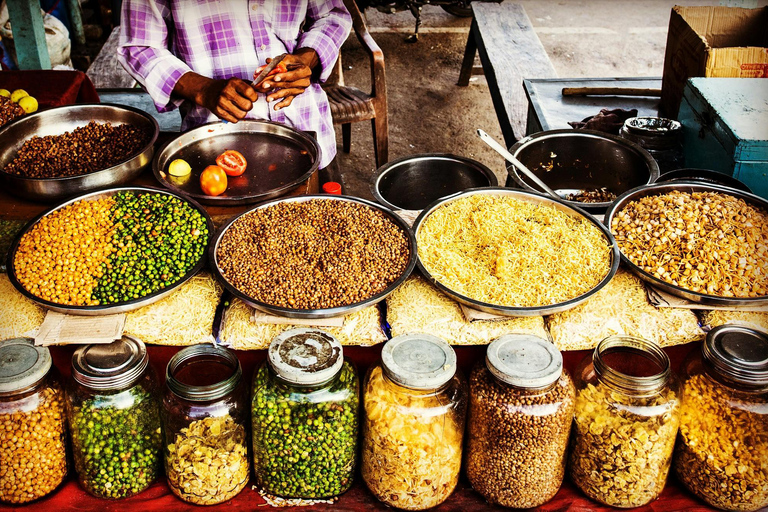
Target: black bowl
705	176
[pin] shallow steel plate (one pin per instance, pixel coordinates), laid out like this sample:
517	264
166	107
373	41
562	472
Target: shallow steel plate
121	307
534	198
316	313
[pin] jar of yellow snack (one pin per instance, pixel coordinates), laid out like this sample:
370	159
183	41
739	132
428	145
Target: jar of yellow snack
414	406
722	449
626	419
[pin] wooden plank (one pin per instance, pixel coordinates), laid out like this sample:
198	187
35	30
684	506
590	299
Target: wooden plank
105	71
28	34
510	51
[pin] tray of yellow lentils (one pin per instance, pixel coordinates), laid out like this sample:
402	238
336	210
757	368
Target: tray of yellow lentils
110	251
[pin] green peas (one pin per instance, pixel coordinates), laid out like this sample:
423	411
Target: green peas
117	449
305	439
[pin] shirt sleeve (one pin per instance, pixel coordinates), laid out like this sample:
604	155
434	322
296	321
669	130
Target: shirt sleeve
144	50
329	27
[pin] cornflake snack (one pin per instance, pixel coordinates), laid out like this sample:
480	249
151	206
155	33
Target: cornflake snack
505	251
183	318
361	328
622	308
715	318
208	461
411	456
417	306
620	455
19	316
722	452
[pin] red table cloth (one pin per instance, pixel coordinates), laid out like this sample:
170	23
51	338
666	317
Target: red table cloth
51	88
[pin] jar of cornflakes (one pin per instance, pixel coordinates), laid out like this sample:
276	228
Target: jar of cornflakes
722	449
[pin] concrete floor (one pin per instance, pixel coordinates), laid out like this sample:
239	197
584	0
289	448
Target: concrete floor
429	113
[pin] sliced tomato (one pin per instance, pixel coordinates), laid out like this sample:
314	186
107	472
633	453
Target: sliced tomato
213	180
233	162
280	68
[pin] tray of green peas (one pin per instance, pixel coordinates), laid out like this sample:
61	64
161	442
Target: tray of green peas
110	251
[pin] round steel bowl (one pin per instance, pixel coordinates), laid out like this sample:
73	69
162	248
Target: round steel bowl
534	198
315	313
109	309
413	182
279	158
572	160
685	186
705	176
58	120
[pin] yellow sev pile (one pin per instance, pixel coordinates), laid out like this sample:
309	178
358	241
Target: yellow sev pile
504	251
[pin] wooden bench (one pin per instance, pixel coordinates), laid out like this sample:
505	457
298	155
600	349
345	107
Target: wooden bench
510	51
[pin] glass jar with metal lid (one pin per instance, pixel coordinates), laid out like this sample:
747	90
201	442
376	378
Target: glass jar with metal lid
722	449
304	417
114	418
33	433
205	417
625	423
520	414
414	405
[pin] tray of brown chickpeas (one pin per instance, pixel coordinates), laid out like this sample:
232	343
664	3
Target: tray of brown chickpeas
703	242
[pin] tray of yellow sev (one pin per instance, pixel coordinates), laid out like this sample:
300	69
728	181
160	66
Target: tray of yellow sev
513	252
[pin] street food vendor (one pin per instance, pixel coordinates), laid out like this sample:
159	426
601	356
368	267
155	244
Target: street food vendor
200	56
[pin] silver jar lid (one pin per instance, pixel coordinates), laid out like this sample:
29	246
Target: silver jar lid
22	364
110	365
305	357
418	361
524	361
738	353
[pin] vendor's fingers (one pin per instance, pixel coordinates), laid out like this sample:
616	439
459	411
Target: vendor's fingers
298	84
286	101
300	73
228	106
235	91
223	114
245	90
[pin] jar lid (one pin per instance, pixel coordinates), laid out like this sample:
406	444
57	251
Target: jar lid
418	361
110	365
305	356
22	364
524	360
214	371
739	353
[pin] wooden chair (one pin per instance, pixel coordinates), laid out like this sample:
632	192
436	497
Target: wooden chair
350	105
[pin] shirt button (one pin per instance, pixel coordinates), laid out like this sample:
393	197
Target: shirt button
263	47
255	7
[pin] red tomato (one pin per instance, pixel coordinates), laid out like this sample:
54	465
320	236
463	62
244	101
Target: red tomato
213	180
233	162
280	68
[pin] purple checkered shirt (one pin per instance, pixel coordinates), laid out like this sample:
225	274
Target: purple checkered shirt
160	40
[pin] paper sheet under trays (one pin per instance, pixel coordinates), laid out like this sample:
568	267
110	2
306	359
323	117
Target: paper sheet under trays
475	315
662	299
60	329
265	318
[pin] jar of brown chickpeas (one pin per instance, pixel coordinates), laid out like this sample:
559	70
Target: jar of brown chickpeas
520	414
33	459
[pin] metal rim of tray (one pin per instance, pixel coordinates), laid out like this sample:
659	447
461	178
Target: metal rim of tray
512	171
315	313
685	186
146	151
531	197
230	128
109	309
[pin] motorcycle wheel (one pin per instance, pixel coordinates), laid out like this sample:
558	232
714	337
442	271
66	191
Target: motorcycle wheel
461	12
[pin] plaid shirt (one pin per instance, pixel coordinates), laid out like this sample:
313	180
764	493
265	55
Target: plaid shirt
160	40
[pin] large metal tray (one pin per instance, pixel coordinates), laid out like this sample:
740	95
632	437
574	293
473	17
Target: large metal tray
315	313
279	158
110	309
534	198
58	120
685	186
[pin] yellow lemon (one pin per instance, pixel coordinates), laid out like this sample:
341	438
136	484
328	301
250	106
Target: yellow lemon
18	94
5	92
29	104
179	167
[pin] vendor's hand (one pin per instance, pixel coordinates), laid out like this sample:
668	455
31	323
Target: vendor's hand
229	99
286	86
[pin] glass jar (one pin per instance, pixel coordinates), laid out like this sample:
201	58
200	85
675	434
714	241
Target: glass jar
33	434
625	423
520	414
414	405
722	449
114	418
304	417
205	417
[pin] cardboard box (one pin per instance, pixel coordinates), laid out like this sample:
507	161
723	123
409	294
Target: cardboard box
712	42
